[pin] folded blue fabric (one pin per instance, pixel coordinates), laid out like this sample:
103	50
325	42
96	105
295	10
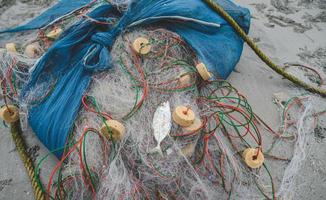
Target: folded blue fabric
84	49
63	65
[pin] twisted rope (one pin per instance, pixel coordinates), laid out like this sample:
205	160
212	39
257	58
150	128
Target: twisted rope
16	133
218	9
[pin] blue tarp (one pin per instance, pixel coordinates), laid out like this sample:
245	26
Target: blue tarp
85	48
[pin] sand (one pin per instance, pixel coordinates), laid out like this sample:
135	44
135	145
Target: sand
287	31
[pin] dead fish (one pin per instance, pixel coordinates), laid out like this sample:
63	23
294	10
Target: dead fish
161	125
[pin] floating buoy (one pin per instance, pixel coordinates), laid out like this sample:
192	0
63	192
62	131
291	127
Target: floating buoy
54	34
9	113
11	47
141	45
253	158
195	126
183	116
203	71
185	80
33	50
115	128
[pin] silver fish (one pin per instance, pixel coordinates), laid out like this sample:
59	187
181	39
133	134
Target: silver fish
161	125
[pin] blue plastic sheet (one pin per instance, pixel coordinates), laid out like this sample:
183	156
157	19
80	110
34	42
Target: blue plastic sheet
84	49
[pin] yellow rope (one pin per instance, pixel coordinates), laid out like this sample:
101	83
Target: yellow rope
218	9
16	133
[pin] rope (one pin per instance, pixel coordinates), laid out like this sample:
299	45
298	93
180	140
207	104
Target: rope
16	133
218	9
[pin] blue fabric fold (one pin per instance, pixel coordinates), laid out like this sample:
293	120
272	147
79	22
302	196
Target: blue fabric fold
70	63
59	10
85	49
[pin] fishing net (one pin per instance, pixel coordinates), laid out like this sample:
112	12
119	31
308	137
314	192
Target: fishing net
204	161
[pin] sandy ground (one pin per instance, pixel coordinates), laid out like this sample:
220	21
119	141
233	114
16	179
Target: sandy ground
287	31
287	34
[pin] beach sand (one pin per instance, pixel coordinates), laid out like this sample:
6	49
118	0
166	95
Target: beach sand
286	31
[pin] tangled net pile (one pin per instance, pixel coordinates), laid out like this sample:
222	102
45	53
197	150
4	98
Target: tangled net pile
205	163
